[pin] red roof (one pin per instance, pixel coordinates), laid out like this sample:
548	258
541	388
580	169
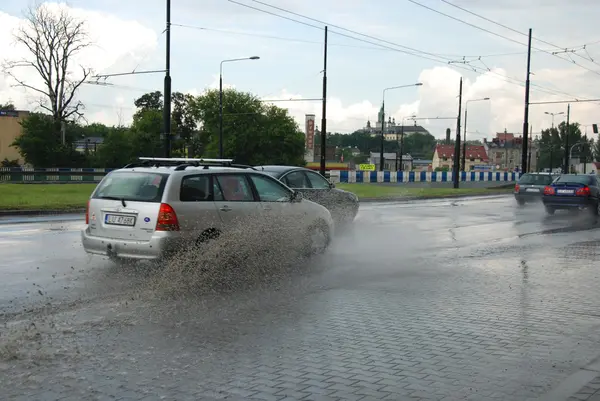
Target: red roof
504	136
473	151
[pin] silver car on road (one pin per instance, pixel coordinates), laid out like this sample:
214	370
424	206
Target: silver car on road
149	209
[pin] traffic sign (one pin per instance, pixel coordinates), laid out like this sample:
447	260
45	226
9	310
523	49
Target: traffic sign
366	167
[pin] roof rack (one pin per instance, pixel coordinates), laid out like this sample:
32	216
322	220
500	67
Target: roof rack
181	163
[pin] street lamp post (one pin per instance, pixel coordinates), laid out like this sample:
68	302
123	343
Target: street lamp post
464	152
554	114
221	98
381	159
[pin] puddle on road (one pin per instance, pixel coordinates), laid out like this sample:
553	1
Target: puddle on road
245	264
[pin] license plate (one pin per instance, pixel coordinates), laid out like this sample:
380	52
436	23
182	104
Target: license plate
565	191
532	190
119	220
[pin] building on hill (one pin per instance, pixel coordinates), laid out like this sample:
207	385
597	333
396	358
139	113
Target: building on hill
392	130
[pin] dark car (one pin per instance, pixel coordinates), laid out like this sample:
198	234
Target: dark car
574	192
342	205
530	186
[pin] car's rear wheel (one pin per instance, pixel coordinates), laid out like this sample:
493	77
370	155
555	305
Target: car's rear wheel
207	235
520	202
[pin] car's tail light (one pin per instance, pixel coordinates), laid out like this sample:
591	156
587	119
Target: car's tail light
87	213
167	219
548	190
585	191
517	187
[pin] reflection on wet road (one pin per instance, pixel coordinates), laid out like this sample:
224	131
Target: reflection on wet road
453	299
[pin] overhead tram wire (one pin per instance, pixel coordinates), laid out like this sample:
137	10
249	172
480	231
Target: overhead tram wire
502	36
439	59
563	49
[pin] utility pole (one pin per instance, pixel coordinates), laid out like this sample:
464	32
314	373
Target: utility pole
526	118
456	165
167	89
381	159
324	117
566	167
529	156
464	149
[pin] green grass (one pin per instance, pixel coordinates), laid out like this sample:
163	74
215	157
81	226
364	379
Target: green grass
44	196
74	196
398	191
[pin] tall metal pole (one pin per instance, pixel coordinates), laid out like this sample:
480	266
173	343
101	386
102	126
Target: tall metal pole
221	112
381	160
526	117
529	156
456	165
566	166
167	88
464	149
324	117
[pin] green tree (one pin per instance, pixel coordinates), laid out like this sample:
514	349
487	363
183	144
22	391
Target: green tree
253	132
552	141
116	150
40	147
7	106
419	145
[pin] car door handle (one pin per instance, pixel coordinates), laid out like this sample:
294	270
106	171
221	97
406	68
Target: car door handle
225	209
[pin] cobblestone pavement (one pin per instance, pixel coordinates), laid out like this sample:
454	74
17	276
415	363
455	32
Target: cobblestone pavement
470	299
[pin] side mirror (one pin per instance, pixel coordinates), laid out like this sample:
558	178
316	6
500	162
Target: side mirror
297	196
331	185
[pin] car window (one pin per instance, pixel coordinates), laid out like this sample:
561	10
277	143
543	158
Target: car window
195	189
317	181
573	179
233	188
132	186
536	179
270	190
296	179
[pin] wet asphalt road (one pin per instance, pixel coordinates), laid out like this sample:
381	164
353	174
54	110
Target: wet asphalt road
435	300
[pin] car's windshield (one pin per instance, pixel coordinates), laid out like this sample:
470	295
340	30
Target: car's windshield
132	186
536	179
573	179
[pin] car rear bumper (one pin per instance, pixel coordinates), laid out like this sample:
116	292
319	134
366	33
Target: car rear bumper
568	202
156	248
528	196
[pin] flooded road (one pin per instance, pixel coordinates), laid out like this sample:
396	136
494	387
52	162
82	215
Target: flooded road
433	300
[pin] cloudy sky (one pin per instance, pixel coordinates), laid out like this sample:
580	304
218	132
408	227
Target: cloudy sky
128	35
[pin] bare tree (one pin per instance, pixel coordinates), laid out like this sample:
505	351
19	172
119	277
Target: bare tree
52	39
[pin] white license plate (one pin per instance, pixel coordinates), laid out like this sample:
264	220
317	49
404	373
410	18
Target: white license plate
119	220
532	190
565	191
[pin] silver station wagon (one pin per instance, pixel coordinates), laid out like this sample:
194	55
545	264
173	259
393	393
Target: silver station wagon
147	210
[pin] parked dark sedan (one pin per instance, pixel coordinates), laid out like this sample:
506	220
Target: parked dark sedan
530	186
574	192
342	205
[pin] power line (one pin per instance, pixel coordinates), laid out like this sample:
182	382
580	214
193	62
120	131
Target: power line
501	36
435	58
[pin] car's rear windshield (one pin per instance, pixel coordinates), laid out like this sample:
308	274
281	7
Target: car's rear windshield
536	179
574	179
132	186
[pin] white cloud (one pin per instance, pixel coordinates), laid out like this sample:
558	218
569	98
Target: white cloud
116	44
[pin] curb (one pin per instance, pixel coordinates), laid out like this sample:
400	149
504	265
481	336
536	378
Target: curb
583	385
414	198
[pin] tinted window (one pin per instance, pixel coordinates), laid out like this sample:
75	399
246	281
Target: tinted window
195	189
317	181
132	186
270	190
233	188
536	179
574	179
296	179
